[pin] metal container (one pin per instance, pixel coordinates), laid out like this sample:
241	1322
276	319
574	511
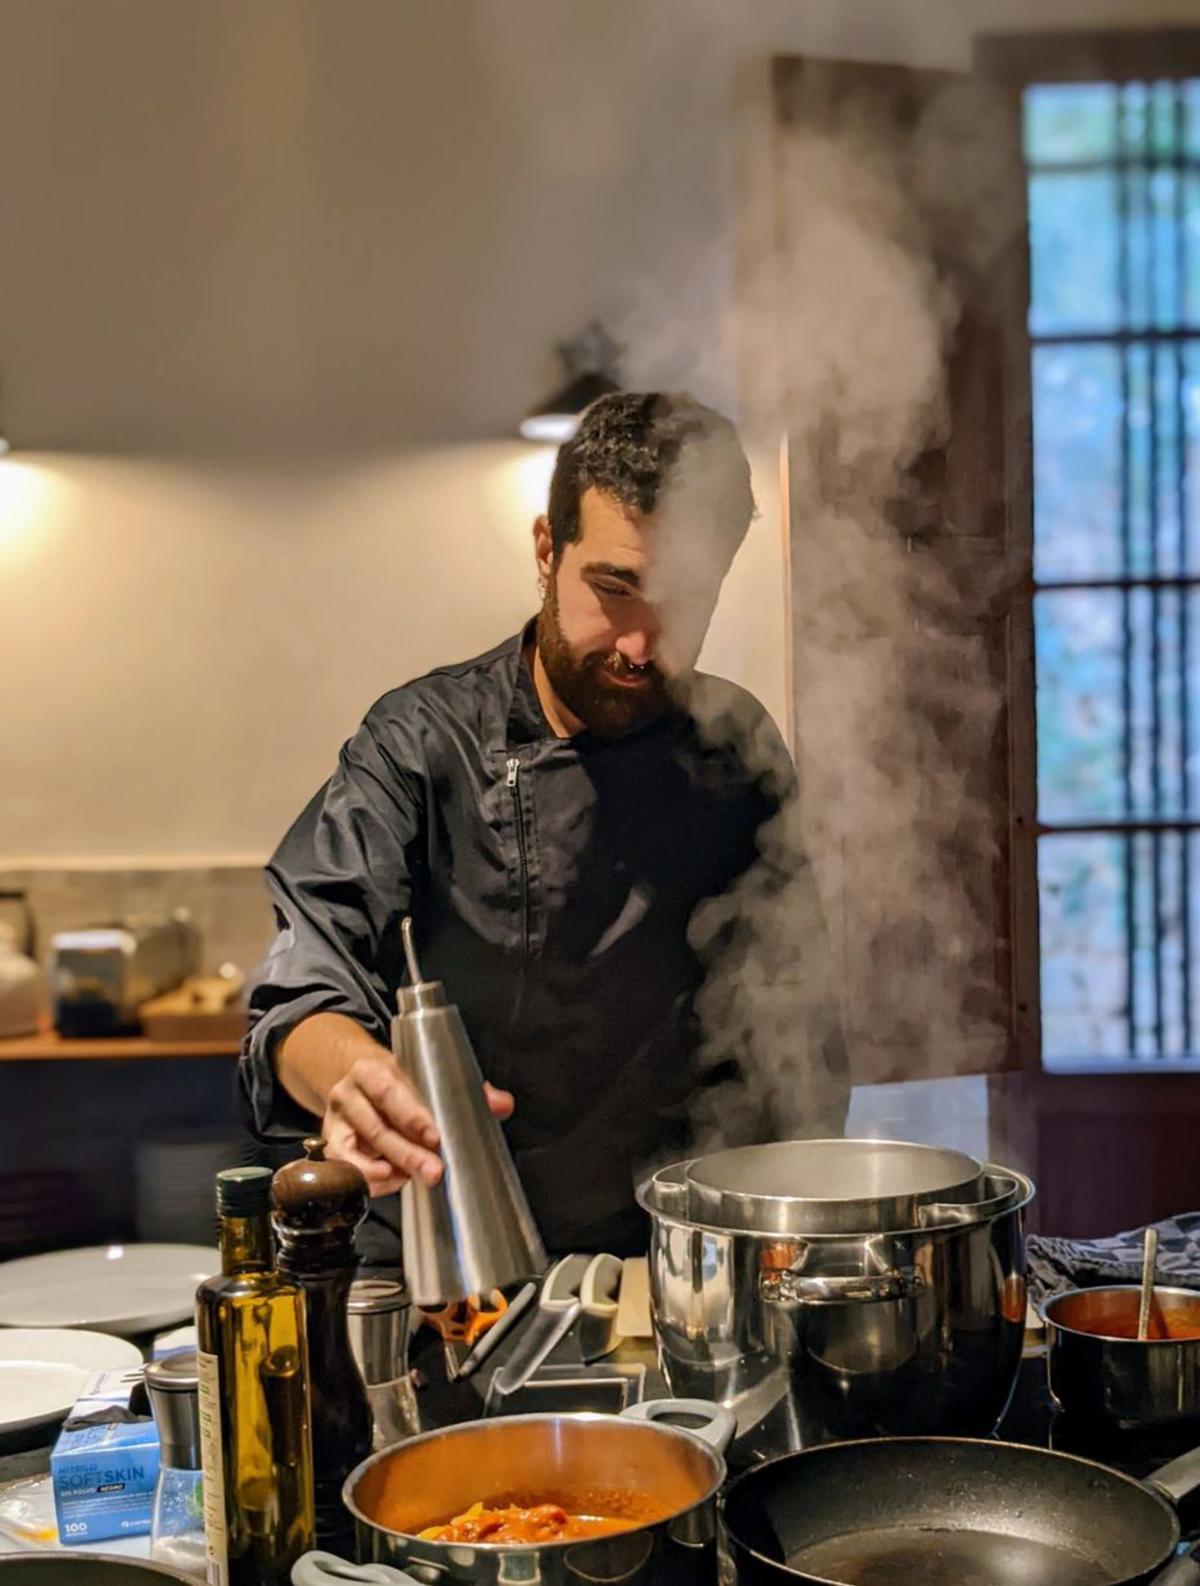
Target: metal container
472	1231
914	1331
634	1464
1101	1374
828	1186
378	1314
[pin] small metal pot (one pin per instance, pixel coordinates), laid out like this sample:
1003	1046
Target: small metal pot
1100	1372
663	1477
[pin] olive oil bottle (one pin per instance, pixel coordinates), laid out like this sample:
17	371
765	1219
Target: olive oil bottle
255	1439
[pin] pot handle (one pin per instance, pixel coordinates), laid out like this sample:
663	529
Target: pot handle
1181	1571
780	1287
1179	1479
718	1423
957	1214
326	1569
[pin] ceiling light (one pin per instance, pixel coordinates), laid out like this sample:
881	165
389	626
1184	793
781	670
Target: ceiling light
590	361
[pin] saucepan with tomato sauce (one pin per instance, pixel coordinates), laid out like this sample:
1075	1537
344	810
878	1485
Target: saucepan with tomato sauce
1100	1372
550	1498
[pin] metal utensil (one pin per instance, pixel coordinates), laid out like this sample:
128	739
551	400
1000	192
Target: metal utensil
558	1310
599	1333
483	1348
1149	1259
473	1231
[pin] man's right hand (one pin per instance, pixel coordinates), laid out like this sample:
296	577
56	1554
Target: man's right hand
372	1116
375	1120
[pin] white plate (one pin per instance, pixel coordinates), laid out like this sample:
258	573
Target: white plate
121	1289
43	1371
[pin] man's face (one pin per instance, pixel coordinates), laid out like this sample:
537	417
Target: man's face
623	618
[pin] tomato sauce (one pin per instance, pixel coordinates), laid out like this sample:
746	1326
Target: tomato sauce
543	1522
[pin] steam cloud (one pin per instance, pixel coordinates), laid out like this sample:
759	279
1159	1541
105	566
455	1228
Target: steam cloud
897	693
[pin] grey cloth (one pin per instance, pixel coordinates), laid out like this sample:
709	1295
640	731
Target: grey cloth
1059	1264
551	883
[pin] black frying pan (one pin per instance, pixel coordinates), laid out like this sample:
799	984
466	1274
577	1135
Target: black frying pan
69	1568
944	1511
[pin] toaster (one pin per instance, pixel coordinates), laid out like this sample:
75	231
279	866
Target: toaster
100	976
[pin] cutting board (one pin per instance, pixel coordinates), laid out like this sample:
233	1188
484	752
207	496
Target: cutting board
633	1304
204	1008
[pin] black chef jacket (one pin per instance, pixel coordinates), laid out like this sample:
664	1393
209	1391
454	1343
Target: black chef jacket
551	881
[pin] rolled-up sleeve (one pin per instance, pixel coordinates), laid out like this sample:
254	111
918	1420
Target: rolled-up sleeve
340	883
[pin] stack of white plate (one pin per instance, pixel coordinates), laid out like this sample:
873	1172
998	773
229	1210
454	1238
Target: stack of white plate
123	1289
43	1370
175	1190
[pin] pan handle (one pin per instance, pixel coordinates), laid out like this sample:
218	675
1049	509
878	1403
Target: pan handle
1181	1571
326	1569
1179	1479
1003	1188
798	1288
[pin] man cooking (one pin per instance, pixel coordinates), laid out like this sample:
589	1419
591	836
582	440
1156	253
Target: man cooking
551	815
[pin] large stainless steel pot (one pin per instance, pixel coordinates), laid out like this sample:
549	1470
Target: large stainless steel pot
635	1464
915	1331
828	1186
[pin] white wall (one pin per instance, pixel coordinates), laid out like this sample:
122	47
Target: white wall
276	279
185	646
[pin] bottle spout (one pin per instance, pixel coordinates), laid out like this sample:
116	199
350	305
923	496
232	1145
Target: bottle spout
419	993
410	951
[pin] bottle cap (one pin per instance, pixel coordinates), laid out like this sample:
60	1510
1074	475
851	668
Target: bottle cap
243	1191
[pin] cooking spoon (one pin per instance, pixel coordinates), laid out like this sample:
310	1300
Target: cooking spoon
1149	1258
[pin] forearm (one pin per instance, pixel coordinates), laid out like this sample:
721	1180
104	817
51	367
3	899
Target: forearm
317	1053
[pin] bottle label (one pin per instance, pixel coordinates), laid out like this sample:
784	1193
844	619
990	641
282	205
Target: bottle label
208	1375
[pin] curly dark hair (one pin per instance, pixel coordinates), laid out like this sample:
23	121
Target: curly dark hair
626	446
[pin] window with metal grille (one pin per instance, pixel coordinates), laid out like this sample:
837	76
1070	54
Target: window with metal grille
1113	171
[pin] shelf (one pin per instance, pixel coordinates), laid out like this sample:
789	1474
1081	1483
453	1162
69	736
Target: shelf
49	1046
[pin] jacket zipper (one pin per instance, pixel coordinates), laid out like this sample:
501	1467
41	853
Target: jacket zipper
510	781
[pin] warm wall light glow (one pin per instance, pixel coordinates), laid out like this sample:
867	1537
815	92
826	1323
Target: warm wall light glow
517	491
32	499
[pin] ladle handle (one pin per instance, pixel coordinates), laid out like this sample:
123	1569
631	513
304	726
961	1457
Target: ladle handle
1149	1260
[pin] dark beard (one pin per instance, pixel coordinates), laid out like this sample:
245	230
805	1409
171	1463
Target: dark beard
586	685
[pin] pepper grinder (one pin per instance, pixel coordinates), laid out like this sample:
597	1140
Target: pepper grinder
177	1523
318	1207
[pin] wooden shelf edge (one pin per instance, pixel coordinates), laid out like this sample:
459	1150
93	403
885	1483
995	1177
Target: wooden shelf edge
48	1047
